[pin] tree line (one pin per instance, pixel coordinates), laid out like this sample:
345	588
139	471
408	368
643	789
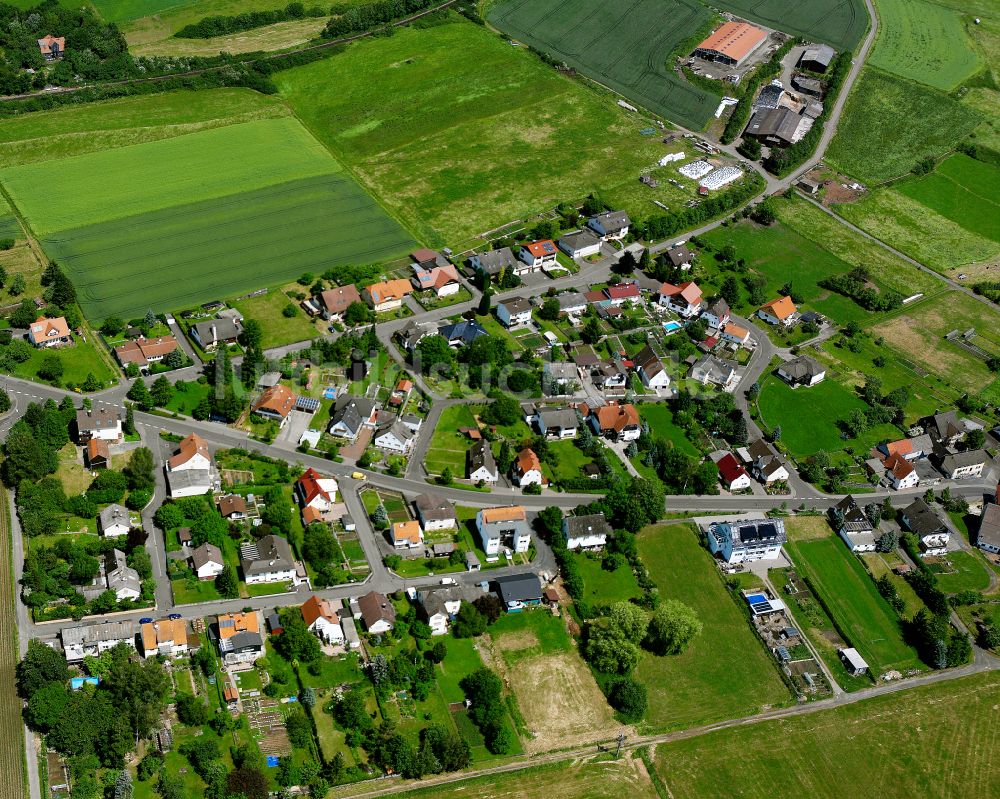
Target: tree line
219	25
369	16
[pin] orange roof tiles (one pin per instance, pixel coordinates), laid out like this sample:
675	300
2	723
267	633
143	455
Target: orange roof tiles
616	417
541	248
97	448
781	308
734	39
736	331
232	623
187	449
388	290
163	631
314	607
277	399
44	329
143	350
528	461
514	513
406	531
312	484
688	291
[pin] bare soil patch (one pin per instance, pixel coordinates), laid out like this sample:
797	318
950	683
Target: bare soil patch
516	641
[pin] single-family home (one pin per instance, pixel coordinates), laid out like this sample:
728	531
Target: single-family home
406	535
233	507
442	280
611	225
480	463
717	314
680	257
315	491
854	526
122	578
190	483
377	612
166	637
322	620
387	295
527	469
97	454
494	262
518	591
946	428
561	422
732	474
439	606
900	473
802	371
580	244
746	540
855	665
988	532
114	520
535	255
350	415
684	299
963	465
412	333
103	424
143	351
237	635
781	311
191	453
54	332
735	334
275	403
91	640
211	333
622	294
586	532
394	436
435	513
571	302
651	369
207	561
334	302
268	560
610	375
717	371
559	376
503	526
52	47
619	422
766	465
426	258
910	449
515	312
463	333
920	519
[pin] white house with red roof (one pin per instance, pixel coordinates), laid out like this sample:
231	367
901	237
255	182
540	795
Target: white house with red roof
321	619
535	255
732	474
442	280
684	299
781	311
623	293
53	332
315	491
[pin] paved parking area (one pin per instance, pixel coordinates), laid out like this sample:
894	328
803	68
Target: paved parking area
298	422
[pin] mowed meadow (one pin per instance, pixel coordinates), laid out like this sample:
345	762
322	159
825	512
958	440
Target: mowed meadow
203	206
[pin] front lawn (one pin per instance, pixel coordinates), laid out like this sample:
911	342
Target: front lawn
187	396
660	419
603	586
278	328
964	572
79	362
448	446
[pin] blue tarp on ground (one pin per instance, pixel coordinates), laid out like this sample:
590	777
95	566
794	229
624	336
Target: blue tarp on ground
272	761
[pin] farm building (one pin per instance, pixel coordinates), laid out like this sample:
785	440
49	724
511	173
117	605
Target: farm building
853	662
808	86
817	58
731	43
774	125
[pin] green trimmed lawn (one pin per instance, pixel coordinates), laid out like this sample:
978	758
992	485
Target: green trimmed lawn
725	672
926	741
661	425
279	329
969	574
462	659
603	587
79	362
333	672
566	462
266	589
808	416
857	608
187	396
448	446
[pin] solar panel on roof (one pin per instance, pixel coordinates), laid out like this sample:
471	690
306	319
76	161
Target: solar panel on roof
306	404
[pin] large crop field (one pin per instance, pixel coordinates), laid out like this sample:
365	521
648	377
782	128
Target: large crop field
840	23
871	626
457	145
624	47
935	740
725	672
963	190
148	177
208	205
925	42
899	120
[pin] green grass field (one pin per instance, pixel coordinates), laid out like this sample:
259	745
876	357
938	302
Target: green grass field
603	587
925	42
926	741
625	48
967	573
661	424
858	610
456	146
840	23
278	328
448	446
725	672
143	178
919	334
808	416
901	121
198	252
963	190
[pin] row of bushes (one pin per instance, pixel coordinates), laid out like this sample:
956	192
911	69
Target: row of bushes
854	285
370	16
222	25
661	226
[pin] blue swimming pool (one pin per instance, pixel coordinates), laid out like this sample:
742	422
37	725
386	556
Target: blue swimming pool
672	327
753	599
